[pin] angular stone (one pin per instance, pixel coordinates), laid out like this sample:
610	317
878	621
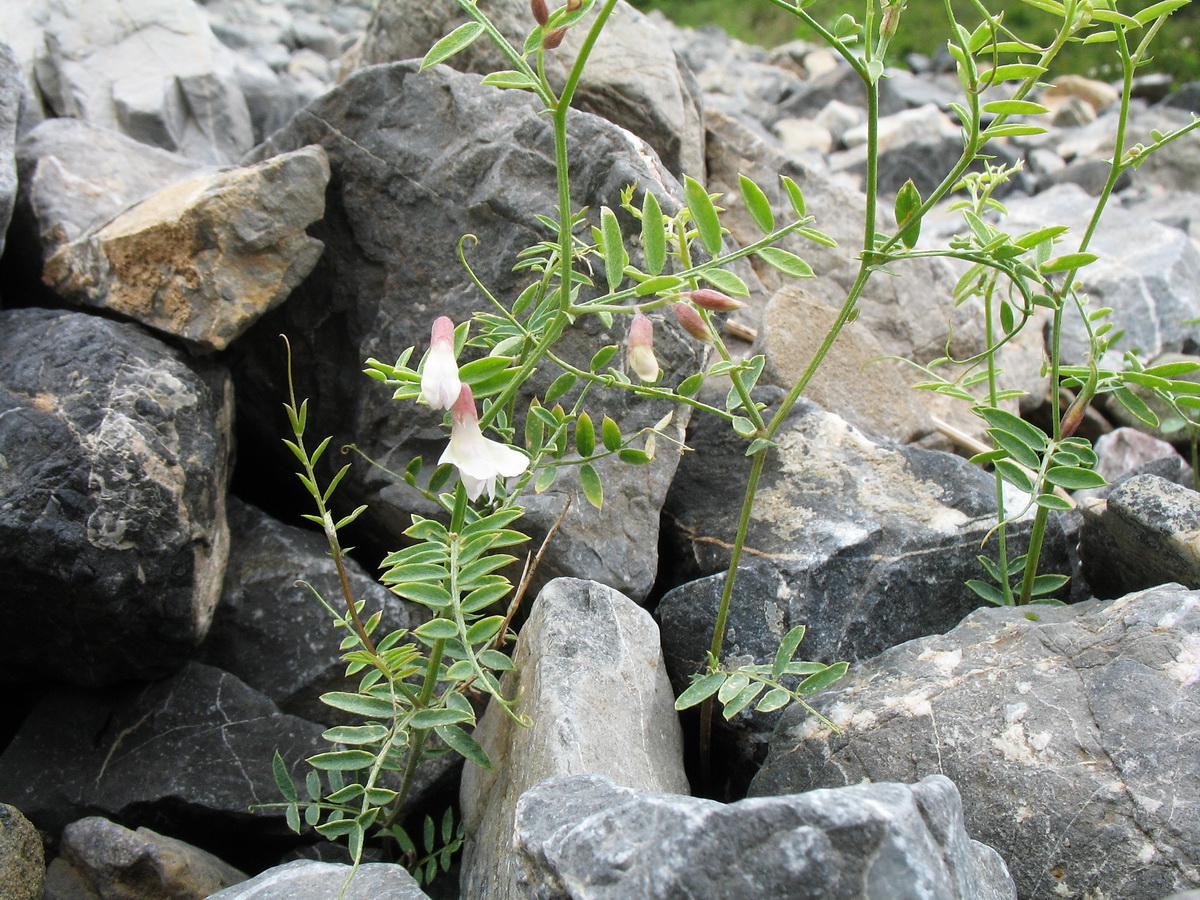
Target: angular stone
1148	273
1146	533
152	70
1070	732
911	316
308	880
840	83
76	176
586	838
419	160
632	77
270	631
142	865
854	381
591	680
868	545
186	756
114	460
203	259
10	114
22	860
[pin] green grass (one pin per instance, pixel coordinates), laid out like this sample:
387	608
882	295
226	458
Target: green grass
923	29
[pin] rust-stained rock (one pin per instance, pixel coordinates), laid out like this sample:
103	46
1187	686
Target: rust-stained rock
203	258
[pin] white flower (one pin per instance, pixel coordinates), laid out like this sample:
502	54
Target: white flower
480	461
439	379
639	351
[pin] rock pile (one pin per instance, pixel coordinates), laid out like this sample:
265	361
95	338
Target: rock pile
182	181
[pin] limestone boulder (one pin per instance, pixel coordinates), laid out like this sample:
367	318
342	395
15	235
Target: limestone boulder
592	684
1067	729
203	259
587	838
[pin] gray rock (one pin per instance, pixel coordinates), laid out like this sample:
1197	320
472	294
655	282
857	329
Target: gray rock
593	685
866	544
1146	533
76	176
632	78
418	161
1089	174
1148	273
855	381
120	864
270	631
1186	98
921	144
908	315
189	755
151	69
10	114
114	459
1124	453
22	860
307	880
1069	730
203	259
840	83
585	838
737	79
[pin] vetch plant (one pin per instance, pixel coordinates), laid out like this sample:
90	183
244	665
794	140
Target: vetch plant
505	439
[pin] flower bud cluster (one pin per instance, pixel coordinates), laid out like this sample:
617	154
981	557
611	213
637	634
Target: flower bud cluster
541	15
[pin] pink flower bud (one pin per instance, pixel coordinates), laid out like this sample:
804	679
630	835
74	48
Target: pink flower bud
639	352
554	38
692	322
714	300
439	378
540	12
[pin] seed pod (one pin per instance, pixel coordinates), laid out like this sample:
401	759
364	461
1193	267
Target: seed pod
540	13
554	38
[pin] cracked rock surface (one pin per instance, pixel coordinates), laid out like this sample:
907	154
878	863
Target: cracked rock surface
586	838
188	754
1072	737
115	452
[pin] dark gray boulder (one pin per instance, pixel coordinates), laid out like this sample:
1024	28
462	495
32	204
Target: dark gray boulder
418	160
270	631
866	544
632	78
187	756
116	454
585	838
1144	534
1069	731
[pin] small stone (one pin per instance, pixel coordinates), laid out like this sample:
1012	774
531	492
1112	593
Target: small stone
143	865
22	860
